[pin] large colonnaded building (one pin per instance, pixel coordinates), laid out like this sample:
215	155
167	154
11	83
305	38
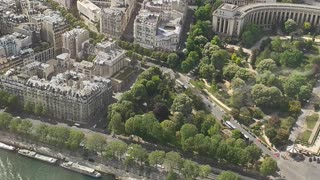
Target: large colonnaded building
230	19
246	2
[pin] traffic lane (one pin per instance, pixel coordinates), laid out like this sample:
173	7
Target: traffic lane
264	149
218	113
213	108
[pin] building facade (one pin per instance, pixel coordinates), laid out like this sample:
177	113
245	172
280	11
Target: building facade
10	45
89	10
73	40
115	18
159	24
52	26
68	96
66	3
156	31
110	59
102	3
229	20
246	2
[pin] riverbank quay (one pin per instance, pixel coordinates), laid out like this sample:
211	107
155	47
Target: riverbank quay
13	140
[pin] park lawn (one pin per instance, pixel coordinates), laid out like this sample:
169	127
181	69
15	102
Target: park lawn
312	120
304	136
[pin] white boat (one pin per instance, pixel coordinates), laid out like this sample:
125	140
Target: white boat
6	147
80	169
34	155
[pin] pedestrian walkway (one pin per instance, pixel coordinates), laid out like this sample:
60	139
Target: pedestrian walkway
221	104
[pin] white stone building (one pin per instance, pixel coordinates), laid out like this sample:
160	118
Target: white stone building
73	40
229	20
159	24
68	96
10	45
52	26
115	18
110	59
246	2
89	10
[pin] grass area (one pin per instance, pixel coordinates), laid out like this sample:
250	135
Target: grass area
124	73
312	120
304	136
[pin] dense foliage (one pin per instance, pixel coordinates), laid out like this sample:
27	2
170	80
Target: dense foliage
132	155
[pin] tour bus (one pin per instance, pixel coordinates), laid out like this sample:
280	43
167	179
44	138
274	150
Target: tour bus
230	125
181	84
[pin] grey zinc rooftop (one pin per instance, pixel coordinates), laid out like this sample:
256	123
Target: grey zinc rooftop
69	84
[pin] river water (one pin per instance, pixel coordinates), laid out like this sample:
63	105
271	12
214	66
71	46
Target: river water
17	167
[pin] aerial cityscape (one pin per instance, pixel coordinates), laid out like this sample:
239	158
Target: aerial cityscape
159	89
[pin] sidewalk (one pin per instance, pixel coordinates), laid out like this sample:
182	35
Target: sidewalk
221	104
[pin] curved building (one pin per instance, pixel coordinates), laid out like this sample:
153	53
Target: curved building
246	2
230	19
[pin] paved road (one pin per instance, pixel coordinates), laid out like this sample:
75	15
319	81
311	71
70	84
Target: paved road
217	111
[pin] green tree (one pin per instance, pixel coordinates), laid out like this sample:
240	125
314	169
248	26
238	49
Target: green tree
230	71
41	132
24	127
116	125
173	60
254	153
305	92
187	131
169	131
236	134
214	130
219	58
307	26
161	111
190	169
251	34
74	140
173	160
207	71
5	119
203	13
245	74
266	65
182	103
171	176
96	143
292	83
14	125
294	107
291	58
204	170
137	153
266	96
116	149
216	41
58	135
268	166
156	158
139	92
290	26
228	175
